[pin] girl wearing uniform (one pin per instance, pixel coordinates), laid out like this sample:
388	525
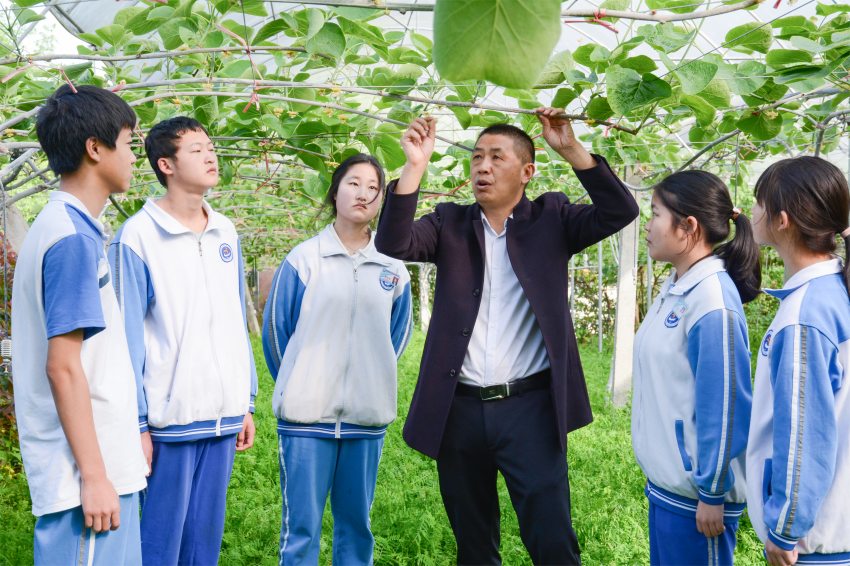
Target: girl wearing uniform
337	318
692	397
798	453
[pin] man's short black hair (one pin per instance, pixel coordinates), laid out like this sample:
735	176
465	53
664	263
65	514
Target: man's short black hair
161	141
523	145
68	119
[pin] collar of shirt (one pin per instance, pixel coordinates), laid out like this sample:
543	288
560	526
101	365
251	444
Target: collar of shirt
173	226
69	199
490	228
330	244
819	269
702	269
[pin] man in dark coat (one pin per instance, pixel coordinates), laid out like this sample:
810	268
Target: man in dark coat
500	383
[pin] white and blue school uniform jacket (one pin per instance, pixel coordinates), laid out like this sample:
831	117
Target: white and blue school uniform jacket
334	326
63	284
182	295
798	455
691	399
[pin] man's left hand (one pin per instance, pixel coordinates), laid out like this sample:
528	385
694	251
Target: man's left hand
558	133
245	438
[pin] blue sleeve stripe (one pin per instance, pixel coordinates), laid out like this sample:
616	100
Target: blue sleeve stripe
281	314
401	321
798	415
727	422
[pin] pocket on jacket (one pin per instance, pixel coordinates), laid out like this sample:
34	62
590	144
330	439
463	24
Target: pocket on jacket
766	478
680	441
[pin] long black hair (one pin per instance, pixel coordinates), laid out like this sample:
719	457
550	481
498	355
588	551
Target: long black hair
705	197
813	193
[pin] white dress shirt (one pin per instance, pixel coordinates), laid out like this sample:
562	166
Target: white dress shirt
506	342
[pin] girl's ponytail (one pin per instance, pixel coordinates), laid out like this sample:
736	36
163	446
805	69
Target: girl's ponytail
741	256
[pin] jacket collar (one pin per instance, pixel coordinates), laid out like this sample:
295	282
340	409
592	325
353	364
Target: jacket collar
704	268
172	226
330	244
819	269
71	200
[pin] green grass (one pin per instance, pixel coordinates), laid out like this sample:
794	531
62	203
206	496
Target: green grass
609	508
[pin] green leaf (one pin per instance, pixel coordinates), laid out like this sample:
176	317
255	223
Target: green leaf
769	92
703	111
591	55
598	109
254	7
640	63
389	151
303	94
272	29
329	41
205	109
489	39
749	37
666	37
829	9
746	77
778	58
24	16
144	23
236	69
563	97
113	34
793	25
421	42
92	38
627	89
315	22
27	3
693	75
807	44
553	72
761	125
716	93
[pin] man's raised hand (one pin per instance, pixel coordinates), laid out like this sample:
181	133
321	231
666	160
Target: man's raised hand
558	133
418	141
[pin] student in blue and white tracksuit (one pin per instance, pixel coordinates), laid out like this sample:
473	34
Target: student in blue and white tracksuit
337	318
180	283
75	397
692	398
798	454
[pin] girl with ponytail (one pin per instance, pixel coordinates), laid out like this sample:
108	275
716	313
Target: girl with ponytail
692	397
798	452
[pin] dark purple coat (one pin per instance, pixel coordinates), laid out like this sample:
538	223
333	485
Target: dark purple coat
541	237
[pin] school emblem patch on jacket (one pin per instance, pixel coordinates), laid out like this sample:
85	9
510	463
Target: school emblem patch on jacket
388	279
226	253
765	345
672	320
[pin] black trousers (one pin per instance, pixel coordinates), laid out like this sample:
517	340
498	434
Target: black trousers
517	437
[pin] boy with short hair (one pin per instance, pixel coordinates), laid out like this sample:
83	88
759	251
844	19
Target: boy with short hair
75	398
180	284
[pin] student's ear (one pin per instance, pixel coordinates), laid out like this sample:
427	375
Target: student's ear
93	149
690	225
164	165
783	222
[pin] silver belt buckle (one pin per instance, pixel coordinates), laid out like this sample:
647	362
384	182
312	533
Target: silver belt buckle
495	392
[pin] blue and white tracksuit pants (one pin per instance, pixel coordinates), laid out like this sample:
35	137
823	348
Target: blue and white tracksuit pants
183	507
62	539
310	469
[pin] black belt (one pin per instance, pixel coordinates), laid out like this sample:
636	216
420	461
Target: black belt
539	380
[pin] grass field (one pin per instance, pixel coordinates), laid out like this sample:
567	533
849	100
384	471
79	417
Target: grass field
609	508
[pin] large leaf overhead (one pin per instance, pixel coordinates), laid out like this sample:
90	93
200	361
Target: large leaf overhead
507	42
